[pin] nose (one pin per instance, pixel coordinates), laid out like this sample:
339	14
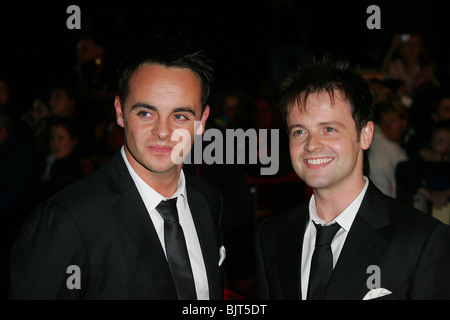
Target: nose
313	143
161	129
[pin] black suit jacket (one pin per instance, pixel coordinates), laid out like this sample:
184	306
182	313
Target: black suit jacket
411	249
101	225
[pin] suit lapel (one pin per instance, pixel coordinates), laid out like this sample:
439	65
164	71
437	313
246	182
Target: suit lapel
364	243
204	225
289	249
132	214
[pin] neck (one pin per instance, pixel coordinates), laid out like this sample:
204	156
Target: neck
331	203
164	182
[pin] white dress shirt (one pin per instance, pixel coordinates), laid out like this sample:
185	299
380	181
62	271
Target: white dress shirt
345	220
151	200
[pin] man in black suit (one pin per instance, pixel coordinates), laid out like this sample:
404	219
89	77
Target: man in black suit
380	248
104	237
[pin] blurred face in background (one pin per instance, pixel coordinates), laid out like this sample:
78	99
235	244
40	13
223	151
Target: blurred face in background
443	111
441	141
61	104
413	48
393	126
61	142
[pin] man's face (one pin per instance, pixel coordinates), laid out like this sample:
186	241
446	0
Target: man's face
326	150
61	104
160	101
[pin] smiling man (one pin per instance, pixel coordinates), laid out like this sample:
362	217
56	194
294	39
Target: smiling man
349	241
327	150
138	228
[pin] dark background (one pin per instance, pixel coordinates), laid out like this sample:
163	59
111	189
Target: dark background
37	50
252	44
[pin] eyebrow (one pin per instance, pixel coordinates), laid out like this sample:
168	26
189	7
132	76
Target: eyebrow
143	105
153	108
331	123
321	124
184	109
295	126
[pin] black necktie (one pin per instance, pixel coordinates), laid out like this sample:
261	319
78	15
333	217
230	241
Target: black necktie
322	261
176	250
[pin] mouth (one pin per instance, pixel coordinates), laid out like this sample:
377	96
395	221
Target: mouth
318	162
160	149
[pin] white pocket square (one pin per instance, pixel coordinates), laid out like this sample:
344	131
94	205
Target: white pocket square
222	254
376	293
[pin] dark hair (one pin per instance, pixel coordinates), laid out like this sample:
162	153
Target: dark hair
169	51
328	75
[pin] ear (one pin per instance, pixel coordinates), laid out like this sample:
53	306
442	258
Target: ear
119	114
366	135
205	116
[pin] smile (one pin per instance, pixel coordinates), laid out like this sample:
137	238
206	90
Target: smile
320	161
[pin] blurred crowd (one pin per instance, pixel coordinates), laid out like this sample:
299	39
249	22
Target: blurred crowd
409	156
71	130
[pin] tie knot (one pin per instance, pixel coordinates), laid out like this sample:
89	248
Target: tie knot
168	210
325	234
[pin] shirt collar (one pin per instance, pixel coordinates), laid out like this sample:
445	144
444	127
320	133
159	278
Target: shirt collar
346	217
150	196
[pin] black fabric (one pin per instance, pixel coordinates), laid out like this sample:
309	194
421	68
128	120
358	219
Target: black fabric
322	261
176	250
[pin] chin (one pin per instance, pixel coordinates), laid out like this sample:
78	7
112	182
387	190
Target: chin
159	168
317	182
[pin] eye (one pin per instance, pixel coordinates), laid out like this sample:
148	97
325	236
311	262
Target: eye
144	114
181	117
298	133
330	130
